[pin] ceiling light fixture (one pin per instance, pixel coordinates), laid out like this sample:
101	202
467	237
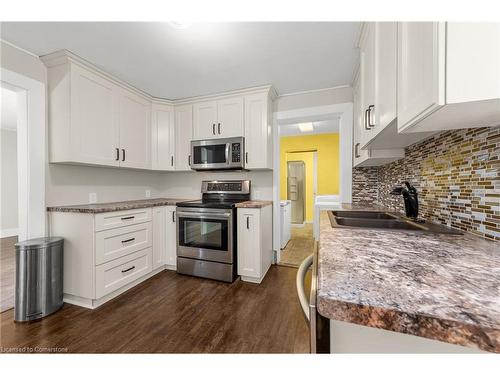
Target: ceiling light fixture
306	127
180	24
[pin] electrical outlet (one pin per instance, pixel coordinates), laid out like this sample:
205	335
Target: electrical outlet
148	193
257	194
92	197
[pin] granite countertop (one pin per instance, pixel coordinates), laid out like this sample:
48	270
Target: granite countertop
438	286
117	206
253	204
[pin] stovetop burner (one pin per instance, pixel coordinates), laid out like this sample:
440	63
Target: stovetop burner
221	194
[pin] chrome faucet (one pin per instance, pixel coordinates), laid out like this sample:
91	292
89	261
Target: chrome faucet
410	197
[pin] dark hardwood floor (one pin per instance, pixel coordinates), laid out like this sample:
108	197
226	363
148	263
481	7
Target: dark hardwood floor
171	313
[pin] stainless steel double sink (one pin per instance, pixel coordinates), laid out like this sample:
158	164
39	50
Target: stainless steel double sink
383	220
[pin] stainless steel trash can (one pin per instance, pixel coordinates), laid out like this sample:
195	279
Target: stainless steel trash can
39	278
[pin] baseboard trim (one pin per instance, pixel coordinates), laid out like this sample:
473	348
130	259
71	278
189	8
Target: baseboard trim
95	303
10	232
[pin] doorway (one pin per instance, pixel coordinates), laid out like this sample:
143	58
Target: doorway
23	213
9	223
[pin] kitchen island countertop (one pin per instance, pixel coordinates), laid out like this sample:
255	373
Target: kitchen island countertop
439	286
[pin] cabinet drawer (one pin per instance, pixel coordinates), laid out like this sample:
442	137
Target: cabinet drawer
118	242
117	219
117	273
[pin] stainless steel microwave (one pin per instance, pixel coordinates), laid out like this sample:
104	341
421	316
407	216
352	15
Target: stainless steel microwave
217	154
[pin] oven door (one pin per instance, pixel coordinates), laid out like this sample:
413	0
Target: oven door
205	234
210	155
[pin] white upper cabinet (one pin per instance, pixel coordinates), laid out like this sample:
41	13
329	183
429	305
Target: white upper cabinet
218	119
94	119
258	134
163	137
448	75
385	75
183	136
134	119
204	120
230	117
92	127
420	59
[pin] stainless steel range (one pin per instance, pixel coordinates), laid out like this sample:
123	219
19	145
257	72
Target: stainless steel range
206	230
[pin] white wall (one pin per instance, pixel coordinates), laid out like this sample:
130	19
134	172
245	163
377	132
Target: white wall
188	184
8	178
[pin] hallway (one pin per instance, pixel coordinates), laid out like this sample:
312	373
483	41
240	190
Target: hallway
299	247
7	272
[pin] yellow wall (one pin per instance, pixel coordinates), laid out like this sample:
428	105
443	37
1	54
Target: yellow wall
327	147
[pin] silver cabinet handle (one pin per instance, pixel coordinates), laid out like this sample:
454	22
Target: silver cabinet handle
117	154
123	154
189	159
356	150
129	240
246	157
248	222
173	216
172	161
366	121
370	116
299	281
127	218
218	128
213	129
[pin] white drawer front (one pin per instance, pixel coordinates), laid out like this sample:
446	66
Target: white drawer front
117	273
110	220
115	243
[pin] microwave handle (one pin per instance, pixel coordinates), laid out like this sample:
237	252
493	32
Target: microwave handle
228	147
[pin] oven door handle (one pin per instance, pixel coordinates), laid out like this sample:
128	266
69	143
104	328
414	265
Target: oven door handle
204	215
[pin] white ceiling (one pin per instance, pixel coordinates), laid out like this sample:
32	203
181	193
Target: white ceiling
206	57
8	109
319	127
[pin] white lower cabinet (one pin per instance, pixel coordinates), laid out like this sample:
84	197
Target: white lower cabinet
255	249
106	254
159	243
170	238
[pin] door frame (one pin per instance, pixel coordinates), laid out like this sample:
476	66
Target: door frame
342	111
31	152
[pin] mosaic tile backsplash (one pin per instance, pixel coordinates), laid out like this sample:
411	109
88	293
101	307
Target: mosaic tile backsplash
456	173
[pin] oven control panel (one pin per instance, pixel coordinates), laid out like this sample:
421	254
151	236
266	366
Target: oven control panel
226	186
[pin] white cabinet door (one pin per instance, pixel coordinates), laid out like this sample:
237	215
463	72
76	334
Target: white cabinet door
163	137
94	126
204	120
257	132
386	60
135	130
183	136
358	122
420	76
159	237
230	118
249	251
171	238
368	86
